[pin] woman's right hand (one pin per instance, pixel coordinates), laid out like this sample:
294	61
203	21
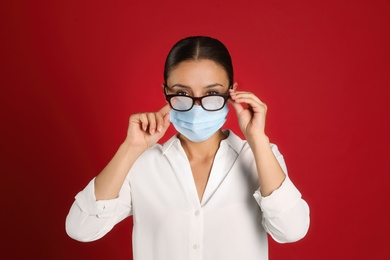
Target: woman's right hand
146	129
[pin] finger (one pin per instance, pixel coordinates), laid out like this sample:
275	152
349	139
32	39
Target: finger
246	97
237	107
159	121
166	123
163	114
241	94
166	120
165	109
152	122
254	105
144	121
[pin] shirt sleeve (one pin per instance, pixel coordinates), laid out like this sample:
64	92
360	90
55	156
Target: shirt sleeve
285	213
90	219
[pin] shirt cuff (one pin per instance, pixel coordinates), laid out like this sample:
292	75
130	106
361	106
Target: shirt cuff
280	201
87	202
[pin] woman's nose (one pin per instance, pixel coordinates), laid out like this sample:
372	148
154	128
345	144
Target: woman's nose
197	101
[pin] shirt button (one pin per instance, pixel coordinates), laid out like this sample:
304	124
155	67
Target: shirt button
196	213
195	246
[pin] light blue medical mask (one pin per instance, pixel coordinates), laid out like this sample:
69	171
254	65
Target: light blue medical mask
198	124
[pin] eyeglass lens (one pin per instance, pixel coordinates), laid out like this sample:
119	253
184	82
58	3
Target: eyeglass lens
208	102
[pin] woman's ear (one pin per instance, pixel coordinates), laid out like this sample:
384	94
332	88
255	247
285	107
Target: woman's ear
235	85
163	89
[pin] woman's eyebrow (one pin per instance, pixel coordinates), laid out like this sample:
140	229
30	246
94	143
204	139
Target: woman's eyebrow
180	86
188	87
214	85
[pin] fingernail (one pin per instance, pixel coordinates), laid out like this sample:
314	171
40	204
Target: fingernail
159	128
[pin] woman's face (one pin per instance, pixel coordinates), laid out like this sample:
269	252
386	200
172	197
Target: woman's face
198	78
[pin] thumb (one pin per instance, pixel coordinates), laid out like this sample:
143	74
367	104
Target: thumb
237	107
166	123
166	120
165	110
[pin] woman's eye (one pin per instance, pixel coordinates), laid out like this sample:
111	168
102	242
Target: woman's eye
181	92
212	93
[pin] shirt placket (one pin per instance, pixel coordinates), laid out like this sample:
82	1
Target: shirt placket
196	226
182	169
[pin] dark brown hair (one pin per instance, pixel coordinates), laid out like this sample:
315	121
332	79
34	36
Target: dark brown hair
196	48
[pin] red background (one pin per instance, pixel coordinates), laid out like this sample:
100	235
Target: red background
72	72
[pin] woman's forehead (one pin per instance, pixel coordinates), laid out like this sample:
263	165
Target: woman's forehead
198	72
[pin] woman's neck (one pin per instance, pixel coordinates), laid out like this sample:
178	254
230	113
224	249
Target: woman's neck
205	149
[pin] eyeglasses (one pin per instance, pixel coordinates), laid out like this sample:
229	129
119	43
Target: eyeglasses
184	103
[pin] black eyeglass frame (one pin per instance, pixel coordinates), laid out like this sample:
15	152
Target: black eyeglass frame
168	98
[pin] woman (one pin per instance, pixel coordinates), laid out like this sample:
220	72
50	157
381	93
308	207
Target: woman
205	193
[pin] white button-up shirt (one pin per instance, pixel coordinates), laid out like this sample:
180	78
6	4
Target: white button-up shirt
170	223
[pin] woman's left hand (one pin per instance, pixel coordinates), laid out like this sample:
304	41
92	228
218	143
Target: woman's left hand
251	118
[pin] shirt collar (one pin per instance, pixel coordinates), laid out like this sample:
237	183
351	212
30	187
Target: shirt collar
169	143
232	140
